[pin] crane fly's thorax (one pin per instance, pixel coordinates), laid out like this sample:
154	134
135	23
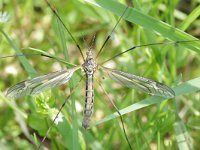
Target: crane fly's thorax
89	65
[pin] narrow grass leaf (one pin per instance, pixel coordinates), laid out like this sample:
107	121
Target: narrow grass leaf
190	19
148	22
182	136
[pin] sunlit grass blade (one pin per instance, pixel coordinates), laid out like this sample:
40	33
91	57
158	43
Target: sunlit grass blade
192	17
183	138
149	23
190	86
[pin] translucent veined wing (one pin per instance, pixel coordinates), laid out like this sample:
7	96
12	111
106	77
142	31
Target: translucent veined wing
39	84
139	83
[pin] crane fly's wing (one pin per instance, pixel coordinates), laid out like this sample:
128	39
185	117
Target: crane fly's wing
39	84
139	83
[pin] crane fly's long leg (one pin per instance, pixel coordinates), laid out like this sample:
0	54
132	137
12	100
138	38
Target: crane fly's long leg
101	49
121	118
52	123
139	83
41	83
151	44
44	55
18	55
59	18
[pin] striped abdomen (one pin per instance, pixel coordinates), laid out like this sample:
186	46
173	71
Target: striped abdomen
88	100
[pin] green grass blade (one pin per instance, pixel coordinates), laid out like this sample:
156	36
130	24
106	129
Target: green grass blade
190	19
148	23
182	136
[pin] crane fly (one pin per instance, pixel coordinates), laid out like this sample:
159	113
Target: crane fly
42	83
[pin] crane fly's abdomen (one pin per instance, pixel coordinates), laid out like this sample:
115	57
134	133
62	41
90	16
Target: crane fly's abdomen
89	67
88	100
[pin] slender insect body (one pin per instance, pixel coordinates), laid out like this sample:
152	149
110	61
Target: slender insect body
89	100
89	67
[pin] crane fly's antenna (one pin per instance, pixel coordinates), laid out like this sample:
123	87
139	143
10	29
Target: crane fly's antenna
101	49
152	44
56	13
117	110
52	123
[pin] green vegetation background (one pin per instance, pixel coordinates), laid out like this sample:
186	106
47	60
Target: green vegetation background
157	124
